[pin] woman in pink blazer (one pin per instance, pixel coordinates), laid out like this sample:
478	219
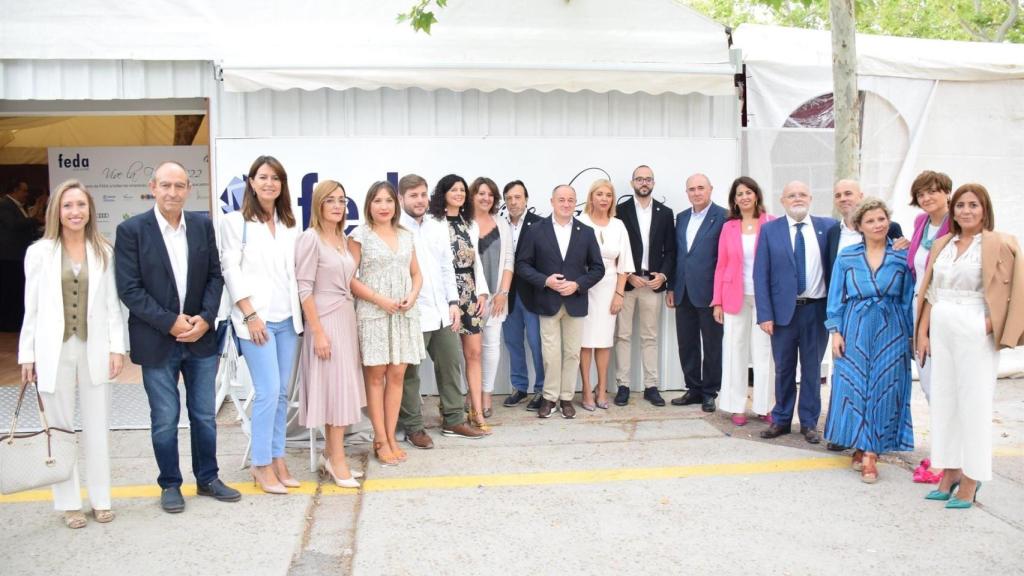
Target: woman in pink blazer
733	304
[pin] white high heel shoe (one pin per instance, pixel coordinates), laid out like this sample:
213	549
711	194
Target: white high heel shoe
322	467
349	482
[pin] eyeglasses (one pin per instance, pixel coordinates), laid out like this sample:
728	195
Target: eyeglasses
335	200
640	180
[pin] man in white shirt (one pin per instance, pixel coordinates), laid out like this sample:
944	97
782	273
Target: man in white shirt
559	281
650	226
438	304
846	196
168	275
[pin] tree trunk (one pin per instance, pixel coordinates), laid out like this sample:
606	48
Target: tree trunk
844	92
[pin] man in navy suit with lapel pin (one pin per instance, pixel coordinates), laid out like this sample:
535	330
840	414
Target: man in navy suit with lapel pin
168	275
791	276
698	335
560	260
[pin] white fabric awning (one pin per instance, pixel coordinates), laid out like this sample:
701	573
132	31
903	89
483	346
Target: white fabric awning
652	46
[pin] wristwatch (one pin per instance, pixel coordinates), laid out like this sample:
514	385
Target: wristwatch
453	302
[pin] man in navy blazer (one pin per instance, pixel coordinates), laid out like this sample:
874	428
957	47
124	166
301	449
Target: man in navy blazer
789	294
846	196
560	260
168	275
698	335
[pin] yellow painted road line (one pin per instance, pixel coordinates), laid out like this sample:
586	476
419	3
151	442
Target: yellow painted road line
1009	451
493	480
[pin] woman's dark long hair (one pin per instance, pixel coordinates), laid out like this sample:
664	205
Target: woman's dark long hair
734	210
251	208
438	208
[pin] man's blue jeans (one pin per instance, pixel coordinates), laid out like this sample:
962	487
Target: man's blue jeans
518	321
161	383
270	367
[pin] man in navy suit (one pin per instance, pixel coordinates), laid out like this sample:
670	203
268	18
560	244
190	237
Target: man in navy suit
791	276
846	196
168	275
698	334
560	260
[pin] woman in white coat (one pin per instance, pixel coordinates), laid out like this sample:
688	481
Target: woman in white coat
73	336
495	247
258	259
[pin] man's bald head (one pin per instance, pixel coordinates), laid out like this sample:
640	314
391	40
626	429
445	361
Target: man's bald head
563	203
846	195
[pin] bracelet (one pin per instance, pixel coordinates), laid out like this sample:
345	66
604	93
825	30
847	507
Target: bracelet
249	317
620	294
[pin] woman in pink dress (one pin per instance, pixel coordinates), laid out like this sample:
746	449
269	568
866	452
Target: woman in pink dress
332	393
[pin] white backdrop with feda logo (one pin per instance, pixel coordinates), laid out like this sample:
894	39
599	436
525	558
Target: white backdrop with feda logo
118	177
540	162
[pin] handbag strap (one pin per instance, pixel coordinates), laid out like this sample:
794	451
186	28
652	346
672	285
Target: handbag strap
17	410
245	233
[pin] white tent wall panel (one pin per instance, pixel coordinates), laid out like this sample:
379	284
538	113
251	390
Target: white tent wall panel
445	113
104	79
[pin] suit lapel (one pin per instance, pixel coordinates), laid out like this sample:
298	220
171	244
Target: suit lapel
989	257
549	226
192	237
709	220
95	276
685	217
822	242
161	247
784	231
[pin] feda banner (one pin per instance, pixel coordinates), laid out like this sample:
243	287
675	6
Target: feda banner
118	177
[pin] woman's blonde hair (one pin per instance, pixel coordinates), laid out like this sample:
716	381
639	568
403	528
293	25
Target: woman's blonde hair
867	205
320	194
53	229
597	185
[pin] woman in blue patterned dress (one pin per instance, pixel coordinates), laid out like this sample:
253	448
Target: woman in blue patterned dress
869	315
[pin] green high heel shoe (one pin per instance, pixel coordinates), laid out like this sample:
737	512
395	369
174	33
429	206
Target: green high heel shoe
940	495
957	504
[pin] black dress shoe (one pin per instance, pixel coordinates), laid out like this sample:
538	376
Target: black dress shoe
515	398
534	404
832	447
690	397
622	396
774	431
171	500
810	434
708	405
652	395
220	491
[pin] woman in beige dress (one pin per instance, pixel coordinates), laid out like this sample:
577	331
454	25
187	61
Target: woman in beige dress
332	393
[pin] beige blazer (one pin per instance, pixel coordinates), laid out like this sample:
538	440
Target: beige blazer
1002	271
42	332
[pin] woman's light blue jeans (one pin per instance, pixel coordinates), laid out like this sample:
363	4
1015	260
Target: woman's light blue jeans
270	367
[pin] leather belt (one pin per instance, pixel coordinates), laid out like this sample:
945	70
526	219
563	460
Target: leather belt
803	301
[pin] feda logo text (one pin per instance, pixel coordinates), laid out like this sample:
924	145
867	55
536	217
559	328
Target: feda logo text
77	162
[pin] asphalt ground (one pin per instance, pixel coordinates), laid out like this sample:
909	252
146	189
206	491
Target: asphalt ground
634	490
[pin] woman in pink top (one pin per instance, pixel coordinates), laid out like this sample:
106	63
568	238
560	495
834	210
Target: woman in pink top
733	304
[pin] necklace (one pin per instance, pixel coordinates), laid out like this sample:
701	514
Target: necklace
336	245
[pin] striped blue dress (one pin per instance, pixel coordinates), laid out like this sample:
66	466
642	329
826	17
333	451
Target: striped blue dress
870	406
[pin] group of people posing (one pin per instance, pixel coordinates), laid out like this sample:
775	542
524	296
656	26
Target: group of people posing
442	273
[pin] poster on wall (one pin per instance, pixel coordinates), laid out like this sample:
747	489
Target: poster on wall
540	163
118	177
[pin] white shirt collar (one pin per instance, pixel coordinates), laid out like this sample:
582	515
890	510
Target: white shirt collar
701	213
164	225
792	222
410	222
640	207
563	226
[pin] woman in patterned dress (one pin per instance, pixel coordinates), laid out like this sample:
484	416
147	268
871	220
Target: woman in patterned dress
448	202
389	325
869	315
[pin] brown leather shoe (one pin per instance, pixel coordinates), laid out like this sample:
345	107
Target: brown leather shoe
547	408
463	430
568	411
420	439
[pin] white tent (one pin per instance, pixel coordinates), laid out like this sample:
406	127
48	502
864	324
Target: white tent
954	107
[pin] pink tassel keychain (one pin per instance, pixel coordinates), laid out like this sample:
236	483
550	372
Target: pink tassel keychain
924	475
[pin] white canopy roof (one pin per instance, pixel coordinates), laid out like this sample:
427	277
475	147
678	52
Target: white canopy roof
798	48
652	46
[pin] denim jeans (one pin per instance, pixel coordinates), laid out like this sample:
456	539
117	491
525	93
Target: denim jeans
270	367
161	383
518	321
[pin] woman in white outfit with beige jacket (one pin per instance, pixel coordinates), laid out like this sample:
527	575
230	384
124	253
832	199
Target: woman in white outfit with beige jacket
73	337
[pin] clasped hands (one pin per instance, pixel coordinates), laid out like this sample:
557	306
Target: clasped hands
189	328
559	284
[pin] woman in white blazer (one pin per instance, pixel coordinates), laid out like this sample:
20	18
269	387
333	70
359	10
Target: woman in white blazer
449	203
258	260
494	244
73	336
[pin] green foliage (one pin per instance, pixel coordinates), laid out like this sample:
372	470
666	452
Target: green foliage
977	20
421	16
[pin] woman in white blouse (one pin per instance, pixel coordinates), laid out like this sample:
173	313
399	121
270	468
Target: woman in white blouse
605	297
258	259
495	247
73	337
971	305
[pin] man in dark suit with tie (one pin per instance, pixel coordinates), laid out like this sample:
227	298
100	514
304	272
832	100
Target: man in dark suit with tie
698	334
650	226
560	260
168	275
791	276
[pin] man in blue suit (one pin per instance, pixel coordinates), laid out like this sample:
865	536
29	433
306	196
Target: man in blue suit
791	276
560	260
698	335
168	275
